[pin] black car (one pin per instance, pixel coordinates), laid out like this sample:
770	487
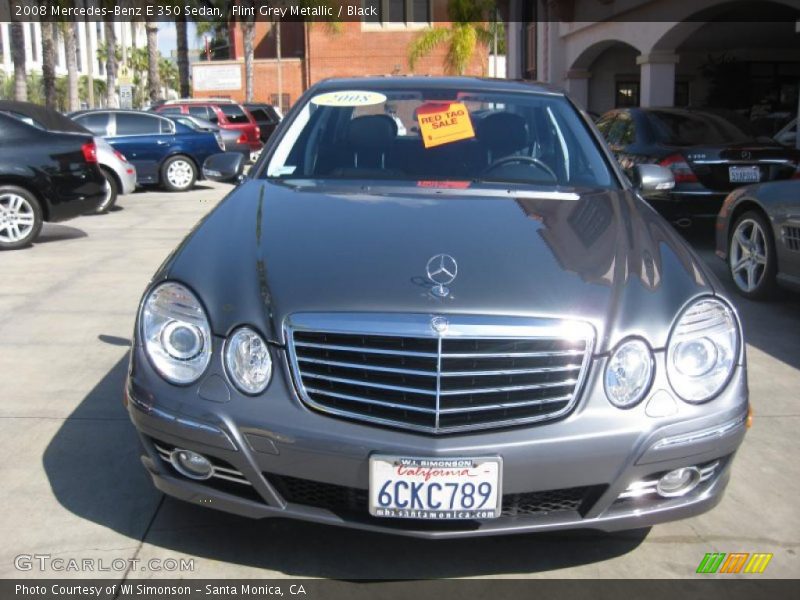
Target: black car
758	233
709	152
267	117
44	176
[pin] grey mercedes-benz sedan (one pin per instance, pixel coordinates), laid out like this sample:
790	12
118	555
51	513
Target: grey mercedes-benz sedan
436	307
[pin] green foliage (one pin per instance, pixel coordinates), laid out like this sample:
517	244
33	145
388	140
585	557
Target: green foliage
468	29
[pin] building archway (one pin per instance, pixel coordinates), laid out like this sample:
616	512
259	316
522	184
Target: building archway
605	75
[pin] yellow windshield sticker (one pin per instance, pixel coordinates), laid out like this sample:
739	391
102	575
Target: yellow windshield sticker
444	123
349	98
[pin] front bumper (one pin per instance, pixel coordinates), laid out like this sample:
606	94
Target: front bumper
298	463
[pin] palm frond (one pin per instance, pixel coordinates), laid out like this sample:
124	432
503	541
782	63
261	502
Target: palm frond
462	46
425	43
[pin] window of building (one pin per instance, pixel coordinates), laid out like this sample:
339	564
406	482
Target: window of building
681	93
273	99
397	12
626	94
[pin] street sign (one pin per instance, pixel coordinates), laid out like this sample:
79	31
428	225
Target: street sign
126	96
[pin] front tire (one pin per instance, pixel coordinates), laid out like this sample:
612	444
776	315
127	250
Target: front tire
751	256
20	217
178	174
111	194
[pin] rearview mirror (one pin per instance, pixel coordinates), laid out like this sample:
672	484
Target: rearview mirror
227	167
653	180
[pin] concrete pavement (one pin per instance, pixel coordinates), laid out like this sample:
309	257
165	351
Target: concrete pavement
74	487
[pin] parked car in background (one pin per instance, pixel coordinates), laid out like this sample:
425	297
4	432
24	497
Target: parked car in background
267	117
119	173
229	139
758	233
163	151
710	153
44	176
224	113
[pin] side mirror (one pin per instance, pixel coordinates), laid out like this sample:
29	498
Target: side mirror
227	167
653	180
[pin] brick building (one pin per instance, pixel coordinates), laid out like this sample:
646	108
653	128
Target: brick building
314	51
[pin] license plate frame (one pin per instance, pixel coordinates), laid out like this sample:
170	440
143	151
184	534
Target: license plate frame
749	174
430	470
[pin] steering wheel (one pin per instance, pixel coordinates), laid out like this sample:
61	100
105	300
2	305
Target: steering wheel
521	159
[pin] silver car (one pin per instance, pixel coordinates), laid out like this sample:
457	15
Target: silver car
474	327
119	173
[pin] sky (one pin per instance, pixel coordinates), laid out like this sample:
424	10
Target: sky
167	37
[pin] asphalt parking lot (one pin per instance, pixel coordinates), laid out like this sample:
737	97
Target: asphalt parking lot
74	486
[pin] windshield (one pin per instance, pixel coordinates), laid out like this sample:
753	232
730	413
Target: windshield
692	129
419	136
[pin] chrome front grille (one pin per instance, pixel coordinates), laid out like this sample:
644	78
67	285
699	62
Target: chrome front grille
480	372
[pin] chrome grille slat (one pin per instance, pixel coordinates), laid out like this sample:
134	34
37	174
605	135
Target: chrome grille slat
349	365
352	398
395	370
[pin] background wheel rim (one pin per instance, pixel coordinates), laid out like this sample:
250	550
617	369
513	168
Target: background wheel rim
108	196
16	218
179	174
748	255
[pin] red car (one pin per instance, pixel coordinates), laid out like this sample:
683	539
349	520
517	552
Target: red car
224	113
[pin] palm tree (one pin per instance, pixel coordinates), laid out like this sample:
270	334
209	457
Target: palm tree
18	56
48	64
183	55
111	64
249	30
467	30
153	80
71	49
90	58
168	73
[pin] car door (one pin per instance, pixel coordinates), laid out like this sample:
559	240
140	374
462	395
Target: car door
139	136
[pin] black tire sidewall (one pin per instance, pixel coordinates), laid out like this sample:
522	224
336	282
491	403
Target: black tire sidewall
38	217
766	286
165	182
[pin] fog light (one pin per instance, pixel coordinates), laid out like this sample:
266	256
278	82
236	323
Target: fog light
678	482
191	464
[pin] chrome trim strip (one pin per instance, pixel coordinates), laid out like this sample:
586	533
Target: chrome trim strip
417	325
701	435
512	354
753	161
216	471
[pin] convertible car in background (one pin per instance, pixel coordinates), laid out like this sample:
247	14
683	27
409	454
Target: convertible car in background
465	323
758	233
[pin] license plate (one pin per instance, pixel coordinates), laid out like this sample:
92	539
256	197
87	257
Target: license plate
744	174
435	488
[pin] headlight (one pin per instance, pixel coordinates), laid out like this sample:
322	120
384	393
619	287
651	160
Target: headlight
629	373
176	333
702	350
247	361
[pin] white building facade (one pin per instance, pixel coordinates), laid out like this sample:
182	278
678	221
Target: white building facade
128	35
614	53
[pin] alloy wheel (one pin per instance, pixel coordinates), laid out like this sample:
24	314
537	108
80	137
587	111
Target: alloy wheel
748	255
17	218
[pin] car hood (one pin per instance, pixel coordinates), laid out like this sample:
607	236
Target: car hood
273	249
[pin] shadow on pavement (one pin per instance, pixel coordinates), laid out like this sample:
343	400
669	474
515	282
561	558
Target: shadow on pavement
92	464
54	232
